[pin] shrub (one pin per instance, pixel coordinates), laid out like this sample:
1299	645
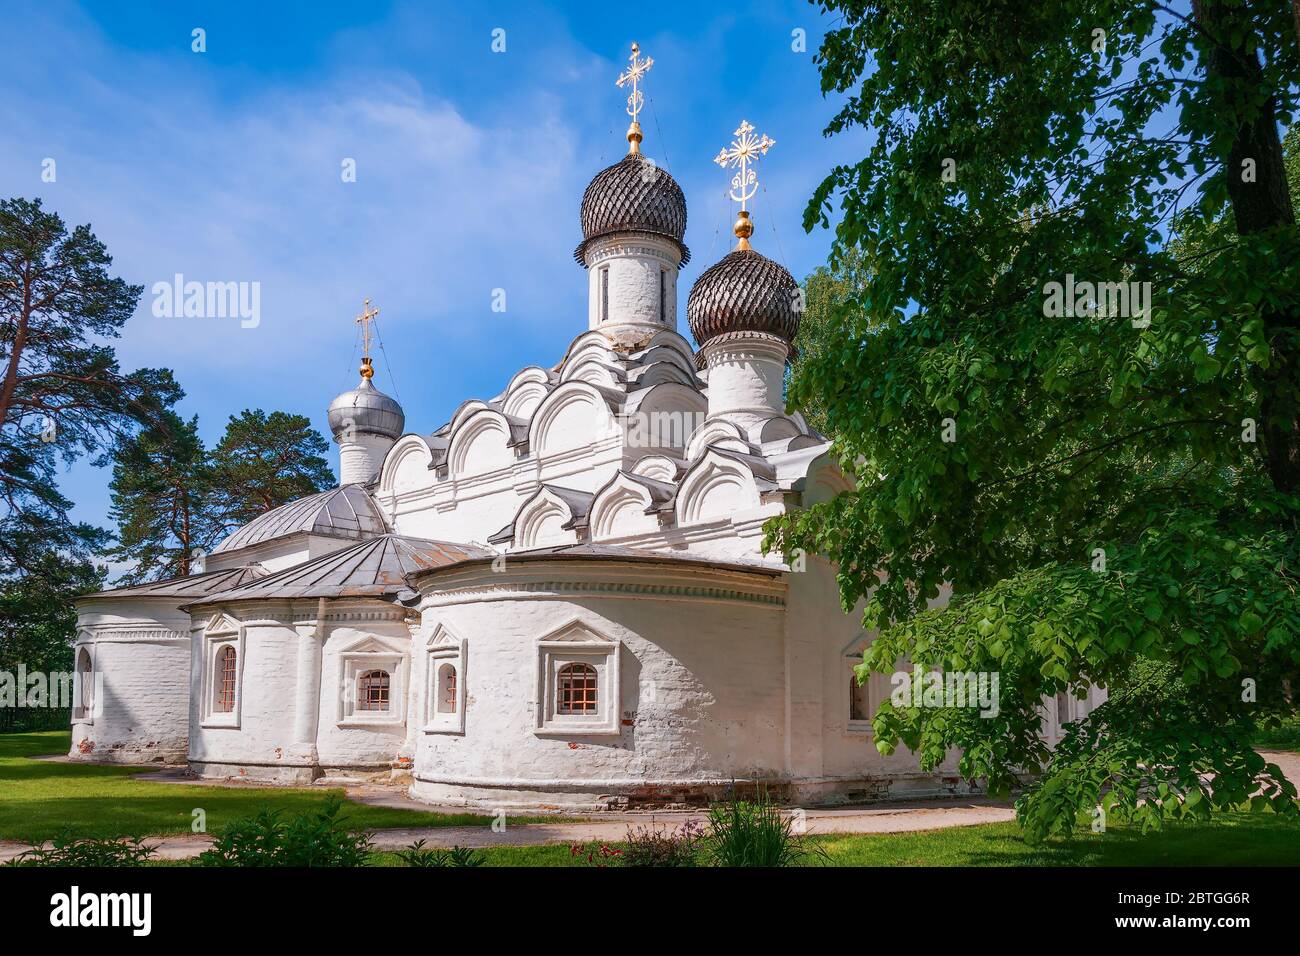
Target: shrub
88	851
754	833
315	838
418	855
660	846
597	854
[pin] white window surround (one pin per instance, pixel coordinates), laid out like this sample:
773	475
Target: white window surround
578	643
221	632
371	655
80	714
870	691
444	649
867	698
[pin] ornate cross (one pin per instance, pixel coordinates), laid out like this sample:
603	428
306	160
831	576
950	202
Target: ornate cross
367	316
638	69
746	148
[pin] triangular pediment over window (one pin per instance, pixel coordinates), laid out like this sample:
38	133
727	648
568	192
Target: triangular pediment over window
577	632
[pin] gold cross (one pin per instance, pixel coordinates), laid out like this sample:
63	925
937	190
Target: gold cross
746	148
638	69
367	316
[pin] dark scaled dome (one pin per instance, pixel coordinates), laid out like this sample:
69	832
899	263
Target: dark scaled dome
744	292
633	195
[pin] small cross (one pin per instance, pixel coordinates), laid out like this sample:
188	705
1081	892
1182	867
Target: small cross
364	319
634	73
746	148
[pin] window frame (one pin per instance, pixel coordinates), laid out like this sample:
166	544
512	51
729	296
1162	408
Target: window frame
868	690
353	663
218	635
444	648
578	643
80	714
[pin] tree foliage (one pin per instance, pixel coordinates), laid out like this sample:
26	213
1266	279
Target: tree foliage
63	395
829	291
264	460
1112	497
163	501
174	499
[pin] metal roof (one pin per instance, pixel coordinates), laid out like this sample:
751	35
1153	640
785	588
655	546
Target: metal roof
633	195
743	292
365	410
347	512
188	586
619	553
376	568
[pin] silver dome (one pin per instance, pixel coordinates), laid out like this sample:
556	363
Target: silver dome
365	410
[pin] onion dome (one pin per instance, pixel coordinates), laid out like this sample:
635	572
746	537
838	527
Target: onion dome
744	292
633	195
365	410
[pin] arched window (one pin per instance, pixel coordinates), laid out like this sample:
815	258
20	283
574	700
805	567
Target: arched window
447	689
85	684
227	669
575	689
372	691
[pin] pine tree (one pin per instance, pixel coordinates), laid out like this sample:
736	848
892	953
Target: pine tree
264	461
163	501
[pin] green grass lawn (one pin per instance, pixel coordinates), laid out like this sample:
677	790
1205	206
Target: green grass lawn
41	798
1235	839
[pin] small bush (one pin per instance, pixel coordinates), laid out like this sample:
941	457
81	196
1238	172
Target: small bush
418	855
597	854
754	833
660	846
315	838
89	851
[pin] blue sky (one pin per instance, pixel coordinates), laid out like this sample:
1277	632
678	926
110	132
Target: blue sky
225	166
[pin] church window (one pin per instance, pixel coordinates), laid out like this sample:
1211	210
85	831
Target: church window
447	689
227	672
372	683
85	686
858	707
663	296
860	699
576	687
223	645
604	293
445	683
372	691
578	683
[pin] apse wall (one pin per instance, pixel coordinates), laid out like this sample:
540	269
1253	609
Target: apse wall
139	664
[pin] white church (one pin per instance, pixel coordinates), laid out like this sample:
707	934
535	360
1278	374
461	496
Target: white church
556	599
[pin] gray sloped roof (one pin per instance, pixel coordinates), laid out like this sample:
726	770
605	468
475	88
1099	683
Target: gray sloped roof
378	567
347	512
585	551
190	586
